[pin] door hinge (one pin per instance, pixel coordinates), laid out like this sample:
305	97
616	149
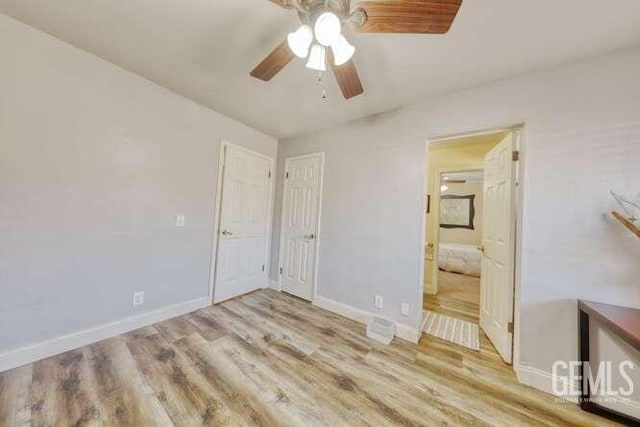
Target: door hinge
515	155
262	267
510	327
286	175
280	270
269	174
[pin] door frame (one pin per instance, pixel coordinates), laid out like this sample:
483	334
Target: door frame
435	208
519	132
218	208
318	239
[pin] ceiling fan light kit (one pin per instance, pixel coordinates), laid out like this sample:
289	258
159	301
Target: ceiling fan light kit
300	41
327	32
317	58
342	51
327	28
322	23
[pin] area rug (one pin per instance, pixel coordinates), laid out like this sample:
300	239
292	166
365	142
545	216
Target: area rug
451	329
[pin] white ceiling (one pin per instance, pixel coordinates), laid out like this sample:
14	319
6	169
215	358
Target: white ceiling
204	50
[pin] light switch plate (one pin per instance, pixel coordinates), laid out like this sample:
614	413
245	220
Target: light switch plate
179	220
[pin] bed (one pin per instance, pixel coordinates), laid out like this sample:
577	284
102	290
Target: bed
459	258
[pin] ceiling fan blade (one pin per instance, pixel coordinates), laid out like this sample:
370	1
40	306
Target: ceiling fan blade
409	16
282	3
347	77
273	63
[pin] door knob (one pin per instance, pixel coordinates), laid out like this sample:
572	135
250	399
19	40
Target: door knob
226	233
310	236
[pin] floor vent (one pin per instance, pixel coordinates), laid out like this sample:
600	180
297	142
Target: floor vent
381	330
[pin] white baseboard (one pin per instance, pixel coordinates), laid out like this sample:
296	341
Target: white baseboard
536	378
273	285
31	353
403	331
543	381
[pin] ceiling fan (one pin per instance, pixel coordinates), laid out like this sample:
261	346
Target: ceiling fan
320	38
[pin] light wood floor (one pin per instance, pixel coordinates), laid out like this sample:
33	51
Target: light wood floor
270	359
458	296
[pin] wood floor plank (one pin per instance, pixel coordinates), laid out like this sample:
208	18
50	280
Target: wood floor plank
270	359
183	392
61	392
203	357
279	330
458	296
124	395
175	329
206	327
15	396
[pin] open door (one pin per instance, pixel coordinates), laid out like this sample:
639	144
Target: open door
244	224
498	247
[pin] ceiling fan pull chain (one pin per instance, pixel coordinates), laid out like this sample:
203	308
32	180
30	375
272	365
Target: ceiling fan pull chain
325	94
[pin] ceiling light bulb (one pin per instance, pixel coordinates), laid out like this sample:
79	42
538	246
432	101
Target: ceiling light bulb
342	50
317	58
327	28
300	40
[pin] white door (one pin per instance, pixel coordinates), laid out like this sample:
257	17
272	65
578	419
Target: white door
244	224
498	241
300	211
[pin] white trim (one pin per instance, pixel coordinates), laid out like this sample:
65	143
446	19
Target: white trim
543	381
273	284
31	353
536	378
318	222
403	331
217	216
519	135
439	139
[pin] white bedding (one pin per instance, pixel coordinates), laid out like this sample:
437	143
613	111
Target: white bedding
459	258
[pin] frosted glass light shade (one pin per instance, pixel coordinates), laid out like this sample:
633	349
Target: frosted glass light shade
300	40
317	57
327	28
342	50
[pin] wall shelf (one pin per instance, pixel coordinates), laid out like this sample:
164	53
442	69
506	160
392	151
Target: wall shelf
632	227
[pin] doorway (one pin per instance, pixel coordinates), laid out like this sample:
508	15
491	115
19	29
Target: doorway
300	228
243	222
457	271
471	247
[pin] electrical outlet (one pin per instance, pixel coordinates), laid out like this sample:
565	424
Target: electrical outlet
180	220
138	298
378	302
404	309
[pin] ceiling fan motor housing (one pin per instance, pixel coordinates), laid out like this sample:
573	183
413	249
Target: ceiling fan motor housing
309	10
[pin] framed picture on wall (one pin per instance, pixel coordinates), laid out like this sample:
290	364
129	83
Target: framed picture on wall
457	211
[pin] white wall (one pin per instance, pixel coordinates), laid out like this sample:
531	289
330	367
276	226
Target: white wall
372	184
582	138
95	163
